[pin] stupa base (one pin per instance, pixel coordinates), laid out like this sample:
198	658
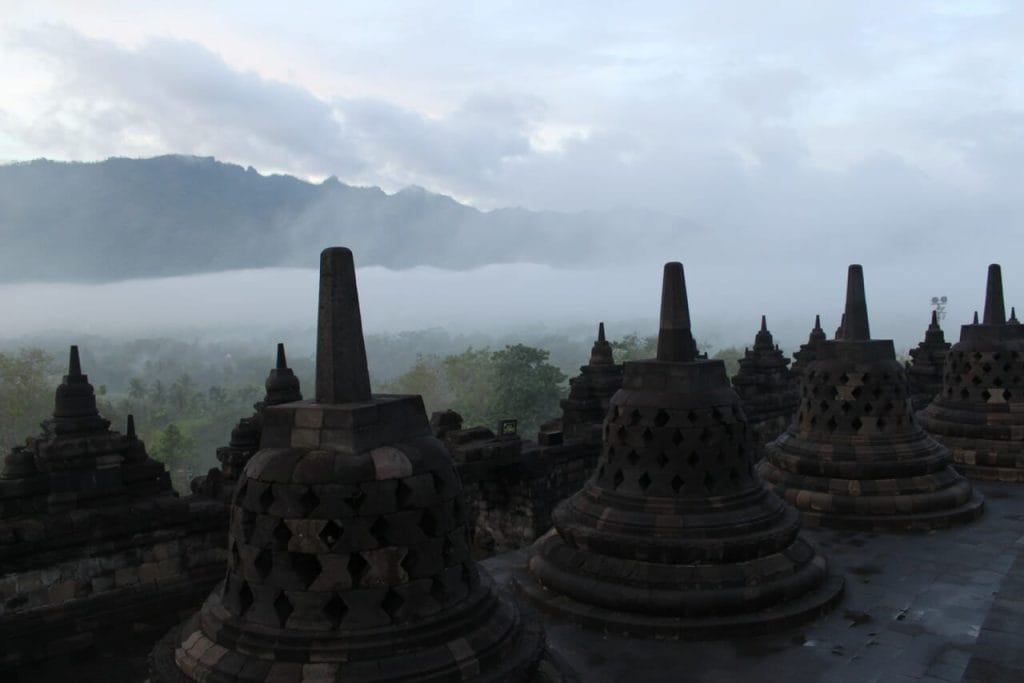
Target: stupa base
687	613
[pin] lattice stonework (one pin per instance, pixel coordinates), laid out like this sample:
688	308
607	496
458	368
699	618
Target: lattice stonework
845	400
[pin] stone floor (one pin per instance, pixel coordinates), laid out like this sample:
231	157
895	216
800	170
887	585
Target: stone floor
917	608
942	607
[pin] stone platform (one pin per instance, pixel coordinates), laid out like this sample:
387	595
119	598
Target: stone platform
917	608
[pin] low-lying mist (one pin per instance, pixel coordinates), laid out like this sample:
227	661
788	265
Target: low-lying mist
726	302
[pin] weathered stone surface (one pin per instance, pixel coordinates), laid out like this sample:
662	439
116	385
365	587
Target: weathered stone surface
855	457
675	535
348	545
91	533
979	413
808	352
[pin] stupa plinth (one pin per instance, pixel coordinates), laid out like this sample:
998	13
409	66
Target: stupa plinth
348	548
674	535
854	456
979	414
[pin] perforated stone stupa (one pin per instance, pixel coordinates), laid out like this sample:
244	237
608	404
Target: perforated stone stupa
927	361
766	386
590	392
282	386
855	457
808	351
348	555
675	535
979	414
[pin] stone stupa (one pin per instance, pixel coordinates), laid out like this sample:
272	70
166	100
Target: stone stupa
766	386
808	351
924	371
675	535
348	553
854	456
584	409
979	414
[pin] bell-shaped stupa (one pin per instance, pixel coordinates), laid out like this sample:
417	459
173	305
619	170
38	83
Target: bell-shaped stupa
808	352
766	386
979	414
675	535
855	457
590	391
348	552
927	361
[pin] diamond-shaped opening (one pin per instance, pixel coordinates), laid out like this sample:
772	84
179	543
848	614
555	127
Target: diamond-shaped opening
306	566
357	567
677	483
379	530
832	424
245	598
283	608
263	563
403	494
428	523
705	435
881	423
985	396
709	482
439	485
309	502
677	437
648	436
355	500
661	459
844	378
335	611
877	392
644	481
856	424
823	406
633	457
692	416
331	533
857	391
1007	395
845	406
693	458
621	433
412	556
267	498
618	479
986	367
716	414
868	408
391	604
661	419
964	394
997	381
635	417
282	534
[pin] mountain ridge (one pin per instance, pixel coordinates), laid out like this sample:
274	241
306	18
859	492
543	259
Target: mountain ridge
126	218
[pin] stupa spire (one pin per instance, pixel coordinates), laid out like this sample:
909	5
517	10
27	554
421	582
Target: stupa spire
995	309
675	339
934	325
1012	320
601	351
855	319
74	364
600	332
282	362
341	371
975	322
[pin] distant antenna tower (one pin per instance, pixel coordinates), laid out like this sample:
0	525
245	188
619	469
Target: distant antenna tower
939	304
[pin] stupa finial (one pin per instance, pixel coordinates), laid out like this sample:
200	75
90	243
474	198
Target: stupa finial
855	319
600	332
282	362
975	318
74	364
995	309
341	371
675	338
764	324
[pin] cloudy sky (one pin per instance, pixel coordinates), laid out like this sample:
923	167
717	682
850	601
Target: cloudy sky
795	126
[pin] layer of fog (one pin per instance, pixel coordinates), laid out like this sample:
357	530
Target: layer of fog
726	300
